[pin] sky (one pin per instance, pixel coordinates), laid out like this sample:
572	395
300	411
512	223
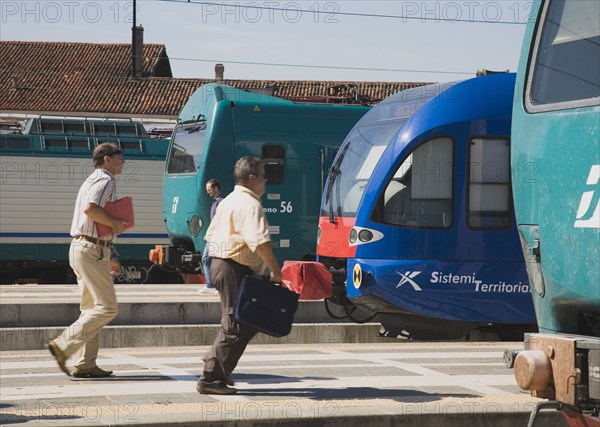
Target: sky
396	41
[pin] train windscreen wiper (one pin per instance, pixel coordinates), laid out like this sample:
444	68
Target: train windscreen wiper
334	173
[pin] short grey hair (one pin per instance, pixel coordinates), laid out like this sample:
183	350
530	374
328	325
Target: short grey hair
247	166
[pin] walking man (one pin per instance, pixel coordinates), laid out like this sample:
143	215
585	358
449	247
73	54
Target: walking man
213	189
240	245
90	259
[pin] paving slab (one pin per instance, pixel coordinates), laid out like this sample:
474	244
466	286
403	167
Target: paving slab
385	384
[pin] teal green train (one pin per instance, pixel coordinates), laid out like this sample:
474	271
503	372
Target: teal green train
556	187
220	124
41	171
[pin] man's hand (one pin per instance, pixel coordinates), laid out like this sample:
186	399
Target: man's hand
115	266
275	277
120	227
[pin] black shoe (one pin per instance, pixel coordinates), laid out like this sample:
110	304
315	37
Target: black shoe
94	372
215	387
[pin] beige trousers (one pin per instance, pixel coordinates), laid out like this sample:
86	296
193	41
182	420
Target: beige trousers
91	264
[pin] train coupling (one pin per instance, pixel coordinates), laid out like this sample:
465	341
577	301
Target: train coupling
176	257
561	367
338	295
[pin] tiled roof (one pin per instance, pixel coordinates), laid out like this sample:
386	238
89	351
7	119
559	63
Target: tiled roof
48	77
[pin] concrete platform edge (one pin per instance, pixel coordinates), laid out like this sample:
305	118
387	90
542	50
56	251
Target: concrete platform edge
405	414
36	338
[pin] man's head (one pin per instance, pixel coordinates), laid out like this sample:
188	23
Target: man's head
110	157
250	172
213	188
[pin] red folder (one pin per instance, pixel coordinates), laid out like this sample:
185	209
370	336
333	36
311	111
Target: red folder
122	209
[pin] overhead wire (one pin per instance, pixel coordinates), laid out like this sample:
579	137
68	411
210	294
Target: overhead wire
273	7
237	5
331	67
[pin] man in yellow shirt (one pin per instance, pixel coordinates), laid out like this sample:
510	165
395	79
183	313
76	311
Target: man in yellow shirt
239	244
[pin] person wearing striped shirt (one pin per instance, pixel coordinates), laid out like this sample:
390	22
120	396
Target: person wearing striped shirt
90	258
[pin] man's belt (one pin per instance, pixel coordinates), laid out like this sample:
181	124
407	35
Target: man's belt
95	241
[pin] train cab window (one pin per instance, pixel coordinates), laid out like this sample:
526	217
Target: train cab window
489	184
420	191
274	159
565	67
185	152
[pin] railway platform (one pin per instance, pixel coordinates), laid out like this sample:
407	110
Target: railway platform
152	315
369	384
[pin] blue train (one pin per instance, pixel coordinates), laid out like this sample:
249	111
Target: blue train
556	148
41	171
218	125
419	227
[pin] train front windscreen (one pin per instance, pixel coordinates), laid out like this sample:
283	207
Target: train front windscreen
365	145
186	148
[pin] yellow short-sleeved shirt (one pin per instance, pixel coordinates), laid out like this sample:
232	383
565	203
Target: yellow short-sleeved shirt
238	227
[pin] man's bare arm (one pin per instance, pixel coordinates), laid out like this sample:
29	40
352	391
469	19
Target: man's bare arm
97	214
265	252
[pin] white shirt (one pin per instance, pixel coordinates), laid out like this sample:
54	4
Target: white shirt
239	226
100	187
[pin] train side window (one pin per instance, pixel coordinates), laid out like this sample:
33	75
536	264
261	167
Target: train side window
274	158
564	70
51	126
104	129
419	193
489	184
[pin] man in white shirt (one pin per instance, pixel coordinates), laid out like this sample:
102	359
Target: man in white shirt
90	258
239	245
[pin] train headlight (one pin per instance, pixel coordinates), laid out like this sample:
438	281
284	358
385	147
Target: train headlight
361	236
353	234
319	231
194	225
365	235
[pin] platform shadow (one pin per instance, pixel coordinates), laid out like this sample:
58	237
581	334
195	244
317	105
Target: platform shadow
8	418
355	393
274	379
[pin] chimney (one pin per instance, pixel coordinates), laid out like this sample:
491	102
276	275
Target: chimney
219	71
137	51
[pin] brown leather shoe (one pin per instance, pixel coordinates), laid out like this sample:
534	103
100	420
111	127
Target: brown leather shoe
215	387
94	372
60	357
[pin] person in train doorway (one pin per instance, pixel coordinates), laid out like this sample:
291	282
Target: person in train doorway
91	258
213	189
240	246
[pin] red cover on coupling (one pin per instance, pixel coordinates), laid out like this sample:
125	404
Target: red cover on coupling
309	279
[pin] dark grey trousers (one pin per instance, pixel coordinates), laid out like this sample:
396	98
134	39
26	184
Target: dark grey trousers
232	339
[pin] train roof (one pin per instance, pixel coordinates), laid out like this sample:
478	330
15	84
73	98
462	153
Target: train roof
403	104
206	96
480	98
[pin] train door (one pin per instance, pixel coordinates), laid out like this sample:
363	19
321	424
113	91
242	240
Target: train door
294	187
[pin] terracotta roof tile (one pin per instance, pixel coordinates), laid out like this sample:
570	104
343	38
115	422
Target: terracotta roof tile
85	78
